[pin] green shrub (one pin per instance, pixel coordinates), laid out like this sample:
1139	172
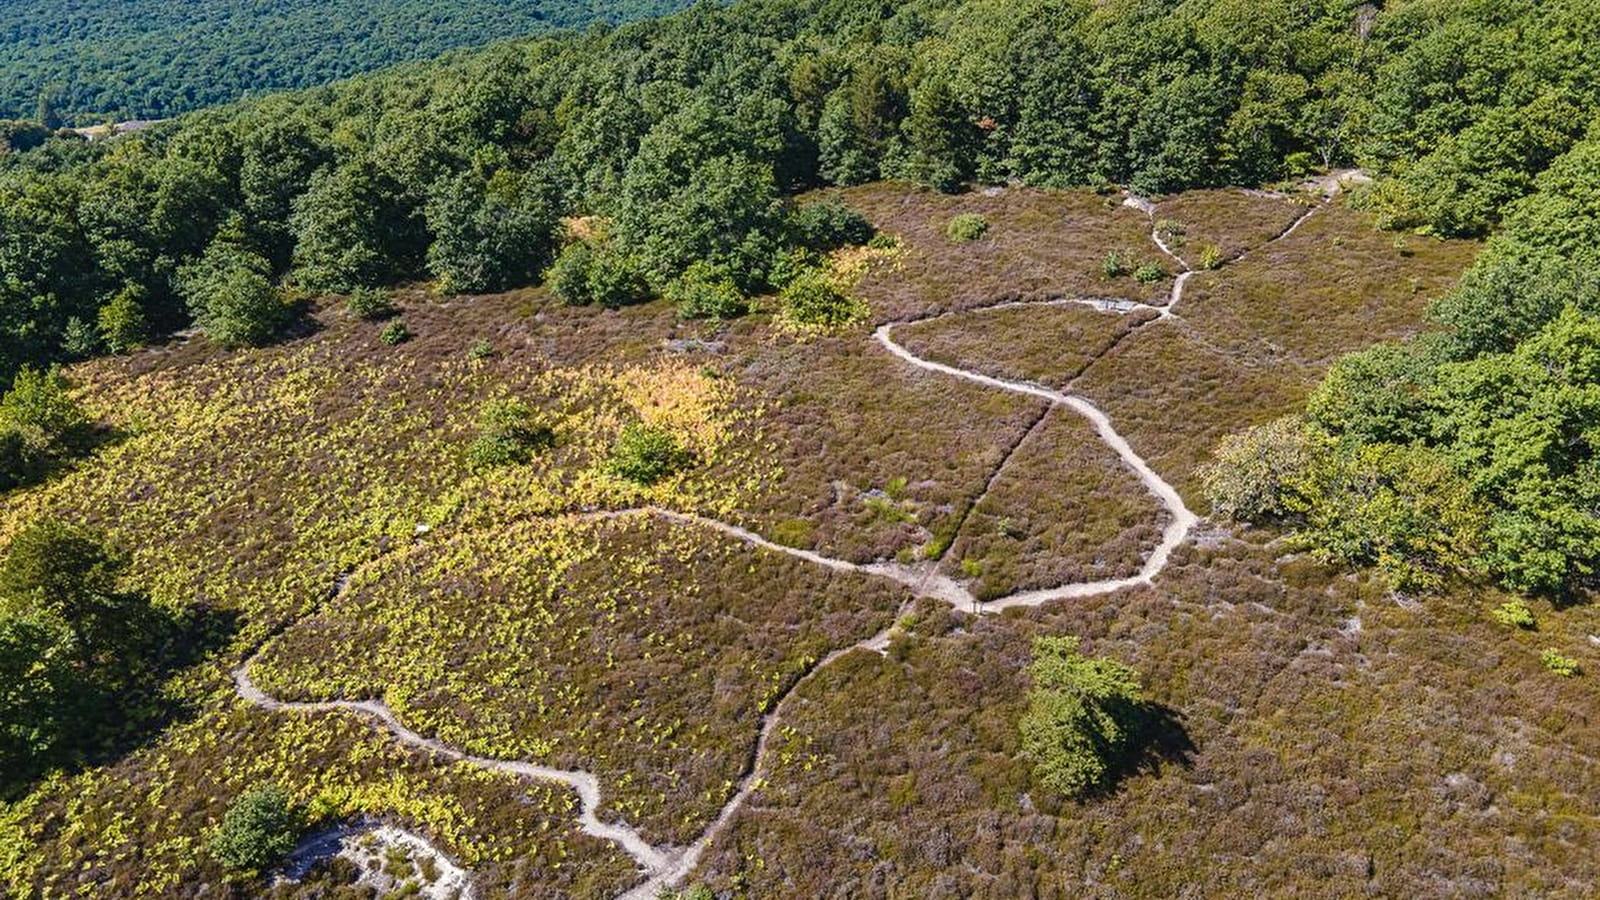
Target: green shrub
829	224
1084	716
790	265
645	454
812	300
122	321
1115	264
705	292
882	241
371	304
79	339
232	297
1210	257
480	350
394	334
568	276
259	829
1562	665
583	275
508	434
966	227
1261	474
15	461
1150	273
1514	614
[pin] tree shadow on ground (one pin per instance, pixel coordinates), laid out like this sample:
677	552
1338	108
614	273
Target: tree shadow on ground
110	708
1160	740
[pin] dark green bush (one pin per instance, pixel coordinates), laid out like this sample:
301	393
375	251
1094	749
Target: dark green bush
508	434
394	334
705	292
646	454
371	304
259	830
584	274
829	224
812	300
122	320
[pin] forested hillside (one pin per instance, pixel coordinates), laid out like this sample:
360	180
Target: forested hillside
81	62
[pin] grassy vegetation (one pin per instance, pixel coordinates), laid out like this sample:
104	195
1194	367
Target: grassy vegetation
843	420
635	649
1232	221
1062	510
1321	731
1039	243
1048	344
1334	270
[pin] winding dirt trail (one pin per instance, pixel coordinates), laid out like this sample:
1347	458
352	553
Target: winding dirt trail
665	867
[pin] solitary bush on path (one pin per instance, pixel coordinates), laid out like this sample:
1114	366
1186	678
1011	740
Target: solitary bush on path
259	829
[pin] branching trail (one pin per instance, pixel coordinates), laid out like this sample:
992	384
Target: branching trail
666	867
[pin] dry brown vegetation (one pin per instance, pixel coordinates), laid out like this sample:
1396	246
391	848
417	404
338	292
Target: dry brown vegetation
1039	244
1233	221
874	458
636	649
1332	286
1048	343
1317	730
1062	510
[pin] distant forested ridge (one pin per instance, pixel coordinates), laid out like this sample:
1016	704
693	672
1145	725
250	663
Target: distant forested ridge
82	61
686	134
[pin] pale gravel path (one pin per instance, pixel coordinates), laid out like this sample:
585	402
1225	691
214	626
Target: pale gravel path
666	867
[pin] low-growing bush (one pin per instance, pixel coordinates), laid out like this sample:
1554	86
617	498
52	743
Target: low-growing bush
371	304
812	300
508	434
1210	257
1514	614
1115	264
584	274
259	829
395	333
1084	715
1150	273
966	227
1559	663
645	454
706	292
829	224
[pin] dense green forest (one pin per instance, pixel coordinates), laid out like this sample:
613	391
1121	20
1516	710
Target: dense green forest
686	135
79	62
